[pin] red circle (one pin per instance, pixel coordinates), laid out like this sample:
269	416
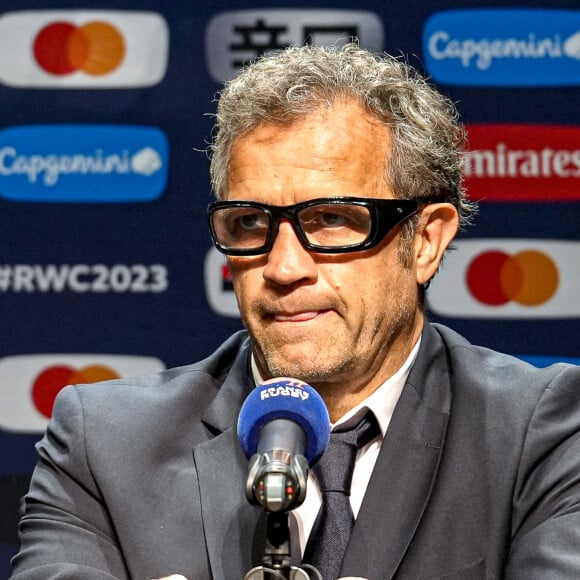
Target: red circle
51	48
47	386
484	278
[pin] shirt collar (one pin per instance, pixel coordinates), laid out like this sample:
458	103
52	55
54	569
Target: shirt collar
383	401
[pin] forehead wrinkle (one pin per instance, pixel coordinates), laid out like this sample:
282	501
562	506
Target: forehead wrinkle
334	149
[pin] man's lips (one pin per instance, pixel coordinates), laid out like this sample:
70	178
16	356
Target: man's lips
301	316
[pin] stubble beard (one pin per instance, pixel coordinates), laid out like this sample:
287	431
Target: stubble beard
338	361
311	364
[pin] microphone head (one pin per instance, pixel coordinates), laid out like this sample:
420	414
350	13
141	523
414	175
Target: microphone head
285	398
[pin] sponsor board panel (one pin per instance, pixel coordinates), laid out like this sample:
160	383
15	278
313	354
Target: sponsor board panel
233	38
503	47
523	163
83	163
508	279
30	383
219	289
542	361
73	49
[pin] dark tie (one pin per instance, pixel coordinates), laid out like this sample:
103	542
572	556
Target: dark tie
331	532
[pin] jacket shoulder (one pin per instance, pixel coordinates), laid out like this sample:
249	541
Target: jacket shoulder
180	391
214	368
483	374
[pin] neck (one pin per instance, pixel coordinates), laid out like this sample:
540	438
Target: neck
341	396
348	388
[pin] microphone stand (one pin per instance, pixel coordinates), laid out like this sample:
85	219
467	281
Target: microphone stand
274	499
276	558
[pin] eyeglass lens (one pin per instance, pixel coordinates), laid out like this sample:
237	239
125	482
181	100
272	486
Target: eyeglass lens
331	225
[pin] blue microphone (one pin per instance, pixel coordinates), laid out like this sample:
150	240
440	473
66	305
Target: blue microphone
283	428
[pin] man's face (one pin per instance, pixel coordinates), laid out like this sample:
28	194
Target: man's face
347	319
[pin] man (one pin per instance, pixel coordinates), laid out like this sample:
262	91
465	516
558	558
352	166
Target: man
339	180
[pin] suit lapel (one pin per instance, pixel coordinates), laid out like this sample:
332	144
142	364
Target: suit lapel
403	477
228	519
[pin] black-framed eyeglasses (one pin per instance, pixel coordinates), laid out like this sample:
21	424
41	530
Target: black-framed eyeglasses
330	225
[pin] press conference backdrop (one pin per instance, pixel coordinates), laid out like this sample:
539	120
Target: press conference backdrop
106	267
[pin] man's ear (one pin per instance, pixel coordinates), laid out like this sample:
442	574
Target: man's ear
436	230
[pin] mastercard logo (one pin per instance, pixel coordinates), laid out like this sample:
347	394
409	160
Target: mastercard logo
83	48
50	381
31	383
96	48
529	278
510	279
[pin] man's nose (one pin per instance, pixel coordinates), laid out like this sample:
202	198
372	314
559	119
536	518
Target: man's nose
288	261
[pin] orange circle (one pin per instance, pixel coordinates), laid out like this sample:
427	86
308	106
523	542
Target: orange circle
540	280
97	48
93	374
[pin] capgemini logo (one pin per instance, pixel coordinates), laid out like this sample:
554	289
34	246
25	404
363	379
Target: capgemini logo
504	47
82	163
572	46
146	162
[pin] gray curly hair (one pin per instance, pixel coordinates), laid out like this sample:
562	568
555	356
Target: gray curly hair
425	161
